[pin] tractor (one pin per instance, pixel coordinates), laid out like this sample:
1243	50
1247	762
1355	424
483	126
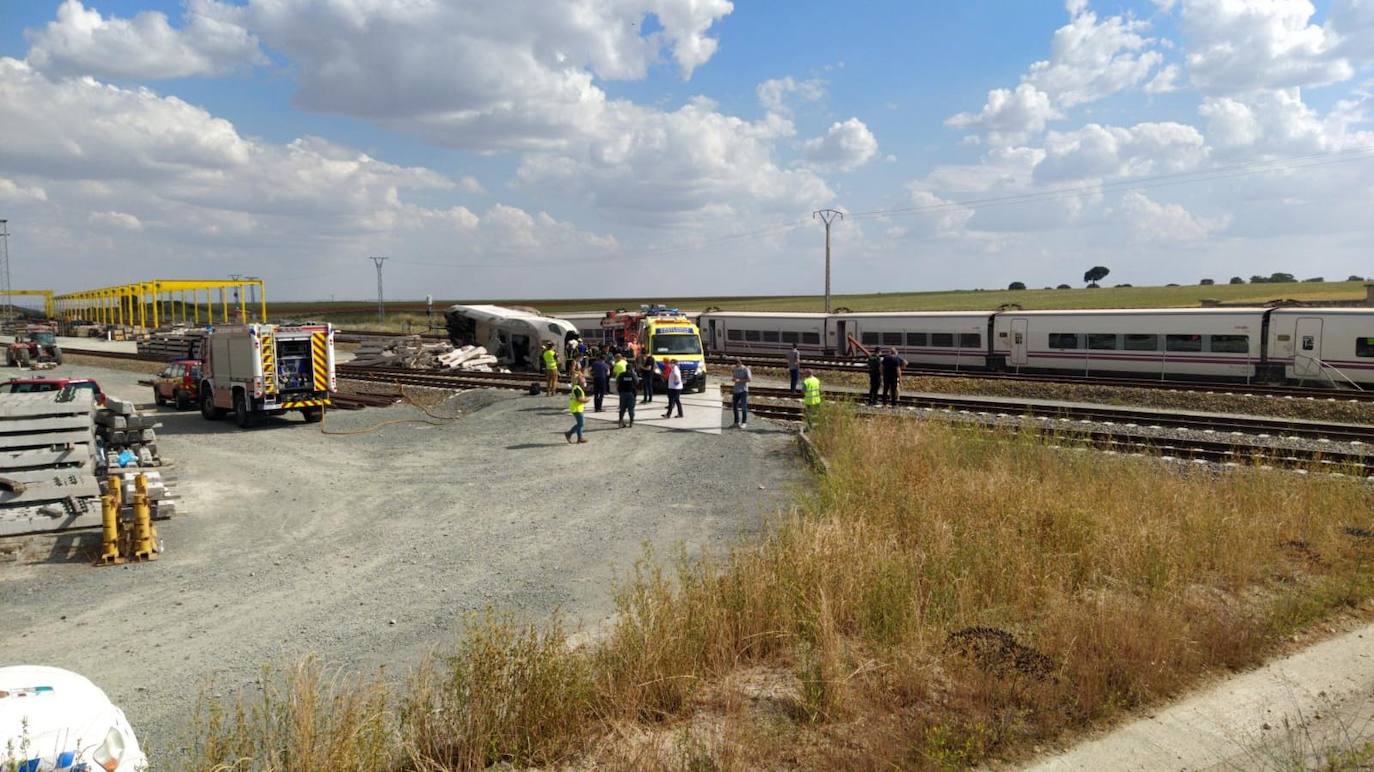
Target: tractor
37	344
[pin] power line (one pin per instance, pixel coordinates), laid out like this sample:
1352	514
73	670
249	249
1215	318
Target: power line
827	216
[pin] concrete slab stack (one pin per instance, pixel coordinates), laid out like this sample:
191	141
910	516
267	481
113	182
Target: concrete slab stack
47	462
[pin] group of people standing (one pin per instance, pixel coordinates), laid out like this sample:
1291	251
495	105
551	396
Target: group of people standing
611	366
885	370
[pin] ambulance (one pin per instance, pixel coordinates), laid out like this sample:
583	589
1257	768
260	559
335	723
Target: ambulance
667	333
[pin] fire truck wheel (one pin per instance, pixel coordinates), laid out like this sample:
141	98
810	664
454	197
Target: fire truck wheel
312	414
242	418
208	411
179	398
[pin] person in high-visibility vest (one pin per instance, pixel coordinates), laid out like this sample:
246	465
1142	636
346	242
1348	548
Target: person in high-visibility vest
811	398
550	370
619	365
577	403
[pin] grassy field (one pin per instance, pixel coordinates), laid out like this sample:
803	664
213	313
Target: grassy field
943	599
360	314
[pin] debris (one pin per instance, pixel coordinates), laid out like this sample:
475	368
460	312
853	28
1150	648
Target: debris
413	353
48	458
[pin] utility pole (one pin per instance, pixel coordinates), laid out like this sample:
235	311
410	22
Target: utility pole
827	216
381	303
5	267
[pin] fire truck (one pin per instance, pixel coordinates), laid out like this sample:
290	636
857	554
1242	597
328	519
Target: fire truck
252	370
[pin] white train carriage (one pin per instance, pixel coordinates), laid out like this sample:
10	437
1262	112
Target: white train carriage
1156	343
743	332
956	339
588	324
1333	346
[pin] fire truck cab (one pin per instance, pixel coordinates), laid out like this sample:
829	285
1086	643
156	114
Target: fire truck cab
253	370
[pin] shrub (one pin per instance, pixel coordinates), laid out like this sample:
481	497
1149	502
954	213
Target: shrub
1016	285
1206	283
1063	286
1236	280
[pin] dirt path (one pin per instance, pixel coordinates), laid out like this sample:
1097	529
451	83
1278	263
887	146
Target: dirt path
369	549
1285	715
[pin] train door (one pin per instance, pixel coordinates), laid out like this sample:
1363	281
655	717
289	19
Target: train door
841	337
711	340
1019	334
1307	353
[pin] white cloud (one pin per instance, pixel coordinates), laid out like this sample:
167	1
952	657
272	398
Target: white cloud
1009	117
1238	45
121	220
82	42
12	192
689	165
1164	81
774	93
1152	222
1096	151
1091	60
844	147
1278	121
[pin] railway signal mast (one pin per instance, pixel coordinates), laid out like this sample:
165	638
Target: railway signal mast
827	216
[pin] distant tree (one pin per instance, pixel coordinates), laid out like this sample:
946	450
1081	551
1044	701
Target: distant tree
1063	286
1237	280
1281	278
1049	288
1016	285
1206	282
1094	285
1095	274
1315	279
1171	284
1259	279
1120	285
1353	277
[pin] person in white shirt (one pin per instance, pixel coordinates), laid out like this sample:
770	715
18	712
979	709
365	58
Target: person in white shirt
673	375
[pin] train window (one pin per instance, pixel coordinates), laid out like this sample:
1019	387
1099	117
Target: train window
813	338
770	336
892	339
1364	347
1182	342
970	340
869	338
752	336
1229	344
942	339
916	339
1102	341
1141	342
790	336
1063	340
734	334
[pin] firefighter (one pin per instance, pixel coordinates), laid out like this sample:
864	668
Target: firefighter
550	370
811	398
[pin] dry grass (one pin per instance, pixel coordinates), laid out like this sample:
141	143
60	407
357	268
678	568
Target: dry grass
944	599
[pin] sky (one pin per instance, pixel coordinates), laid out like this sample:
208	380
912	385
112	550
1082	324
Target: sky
604	148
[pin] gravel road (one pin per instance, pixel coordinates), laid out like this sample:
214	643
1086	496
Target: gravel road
368	549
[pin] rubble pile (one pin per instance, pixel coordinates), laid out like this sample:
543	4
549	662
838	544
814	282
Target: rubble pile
129	440
413	353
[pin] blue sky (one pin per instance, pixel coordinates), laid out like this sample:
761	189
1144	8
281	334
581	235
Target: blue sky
538	148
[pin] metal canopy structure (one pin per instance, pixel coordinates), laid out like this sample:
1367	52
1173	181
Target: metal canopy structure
45	294
166	301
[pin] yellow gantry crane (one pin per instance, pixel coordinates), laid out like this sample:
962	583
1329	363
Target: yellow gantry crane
150	304
45	294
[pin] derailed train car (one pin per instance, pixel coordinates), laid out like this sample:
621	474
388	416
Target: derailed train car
513	336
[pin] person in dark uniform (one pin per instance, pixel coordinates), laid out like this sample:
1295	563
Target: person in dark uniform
892	375
601	380
875	375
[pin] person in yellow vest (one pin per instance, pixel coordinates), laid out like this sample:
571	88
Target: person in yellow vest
577	402
618	366
811	398
550	370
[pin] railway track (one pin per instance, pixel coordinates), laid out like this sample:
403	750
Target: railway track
1126	418
835	364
